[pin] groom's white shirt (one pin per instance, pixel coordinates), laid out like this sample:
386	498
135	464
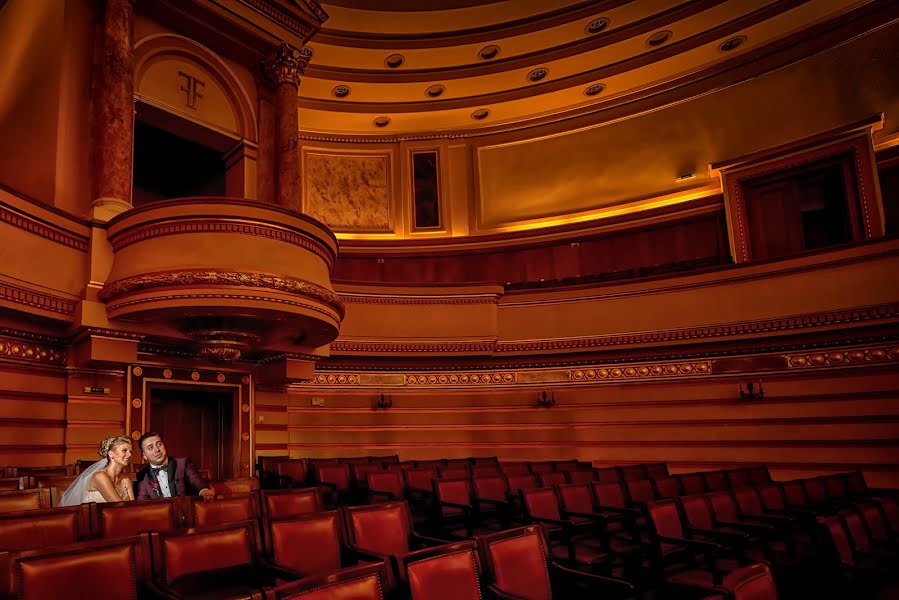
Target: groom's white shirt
162	477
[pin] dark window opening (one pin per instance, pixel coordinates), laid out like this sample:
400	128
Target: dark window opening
802	209
889	193
168	166
426	196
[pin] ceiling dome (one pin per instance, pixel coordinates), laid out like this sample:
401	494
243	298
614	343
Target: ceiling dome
524	61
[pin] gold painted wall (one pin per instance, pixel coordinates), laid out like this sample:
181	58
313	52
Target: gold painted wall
348	192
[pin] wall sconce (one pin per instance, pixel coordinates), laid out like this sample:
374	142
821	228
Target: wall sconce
753	391
384	402
545	400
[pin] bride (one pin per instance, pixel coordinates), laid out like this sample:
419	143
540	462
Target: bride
105	480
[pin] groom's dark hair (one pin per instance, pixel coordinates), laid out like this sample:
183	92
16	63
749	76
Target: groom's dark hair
145	437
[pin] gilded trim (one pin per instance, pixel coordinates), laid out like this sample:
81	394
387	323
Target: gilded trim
279	233
198	277
28	351
811	360
405	300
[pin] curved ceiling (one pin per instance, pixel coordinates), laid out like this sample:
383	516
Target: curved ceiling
451	65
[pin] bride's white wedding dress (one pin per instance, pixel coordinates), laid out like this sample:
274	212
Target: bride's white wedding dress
77	493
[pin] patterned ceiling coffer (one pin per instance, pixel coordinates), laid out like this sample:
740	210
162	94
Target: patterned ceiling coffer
348	192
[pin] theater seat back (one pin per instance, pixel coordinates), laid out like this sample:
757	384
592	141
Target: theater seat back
382	528
308	544
640	491
123	519
576	498
281	504
386	481
515	468
457	491
665	520
82	571
518	563
364	587
491	488
205	551
633	473
697	511
231	509
42	529
549	479
691	483
723	506
580	476
295	469
521	482
715	481
420	479
666	487
610	494
749	502
450	575
541	503
656	470
16	501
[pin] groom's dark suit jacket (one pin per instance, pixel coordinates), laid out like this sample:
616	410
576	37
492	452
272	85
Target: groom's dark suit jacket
184	480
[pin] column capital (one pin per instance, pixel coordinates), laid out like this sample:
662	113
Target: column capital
286	65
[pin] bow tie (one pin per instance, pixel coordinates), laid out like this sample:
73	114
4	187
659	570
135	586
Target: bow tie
159	468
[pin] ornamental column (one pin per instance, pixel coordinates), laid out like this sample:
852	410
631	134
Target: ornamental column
113	112
283	71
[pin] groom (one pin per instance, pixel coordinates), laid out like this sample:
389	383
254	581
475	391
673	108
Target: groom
167	476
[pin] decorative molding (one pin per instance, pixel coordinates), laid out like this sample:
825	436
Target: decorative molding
270	231
118	304
39	300
434	347
17	349
286	65
651	371
858	356
287	20
196	277
406	300
44	230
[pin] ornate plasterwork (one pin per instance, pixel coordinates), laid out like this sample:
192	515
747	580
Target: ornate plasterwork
34	299
31	352
194	278
383	347
856	356
287	20
276	232
403	300
286	65
45	231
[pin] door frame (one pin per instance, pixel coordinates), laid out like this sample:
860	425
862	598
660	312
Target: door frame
142	378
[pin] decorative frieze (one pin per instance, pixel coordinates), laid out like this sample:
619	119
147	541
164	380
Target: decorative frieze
856	356
30	352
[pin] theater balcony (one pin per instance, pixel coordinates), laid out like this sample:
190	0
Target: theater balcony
231	275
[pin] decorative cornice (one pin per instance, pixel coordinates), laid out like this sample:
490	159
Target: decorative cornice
44	230
285	19
114	305
858	356
405	300
196	277
384	347
715	366
222	225
35	299
783	324
27	351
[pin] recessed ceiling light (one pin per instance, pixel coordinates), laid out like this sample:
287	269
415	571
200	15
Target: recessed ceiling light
538	74
480	114
488	52
395	61
594	89
435	90
341	91
732	43
659	37
597	25
381	122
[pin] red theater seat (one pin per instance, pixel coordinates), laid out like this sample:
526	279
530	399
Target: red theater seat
656	470
229	509
517	565
232	487
515	468
24	500
666	487
580	476
739	478
383	532
365	582
279	504
381	460
293	472
715	481
608	474
123	519
386	485
444	573
691	483
98	569
33	529
551	479
218	562
633	473
310	544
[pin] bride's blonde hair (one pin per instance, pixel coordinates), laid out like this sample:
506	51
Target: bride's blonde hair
111	442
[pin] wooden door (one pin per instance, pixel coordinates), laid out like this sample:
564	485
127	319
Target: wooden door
198	424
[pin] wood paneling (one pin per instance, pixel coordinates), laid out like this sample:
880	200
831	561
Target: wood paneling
806	424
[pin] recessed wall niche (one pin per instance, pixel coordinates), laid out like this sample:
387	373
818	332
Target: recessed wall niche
426	190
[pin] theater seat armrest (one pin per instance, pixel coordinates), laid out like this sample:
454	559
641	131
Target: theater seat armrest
727	535
280	571
605	587
463	507
693	544
161	591
327	484
494	592
369	554
497	503
750	527
586	515
388	495
423	541
625	511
